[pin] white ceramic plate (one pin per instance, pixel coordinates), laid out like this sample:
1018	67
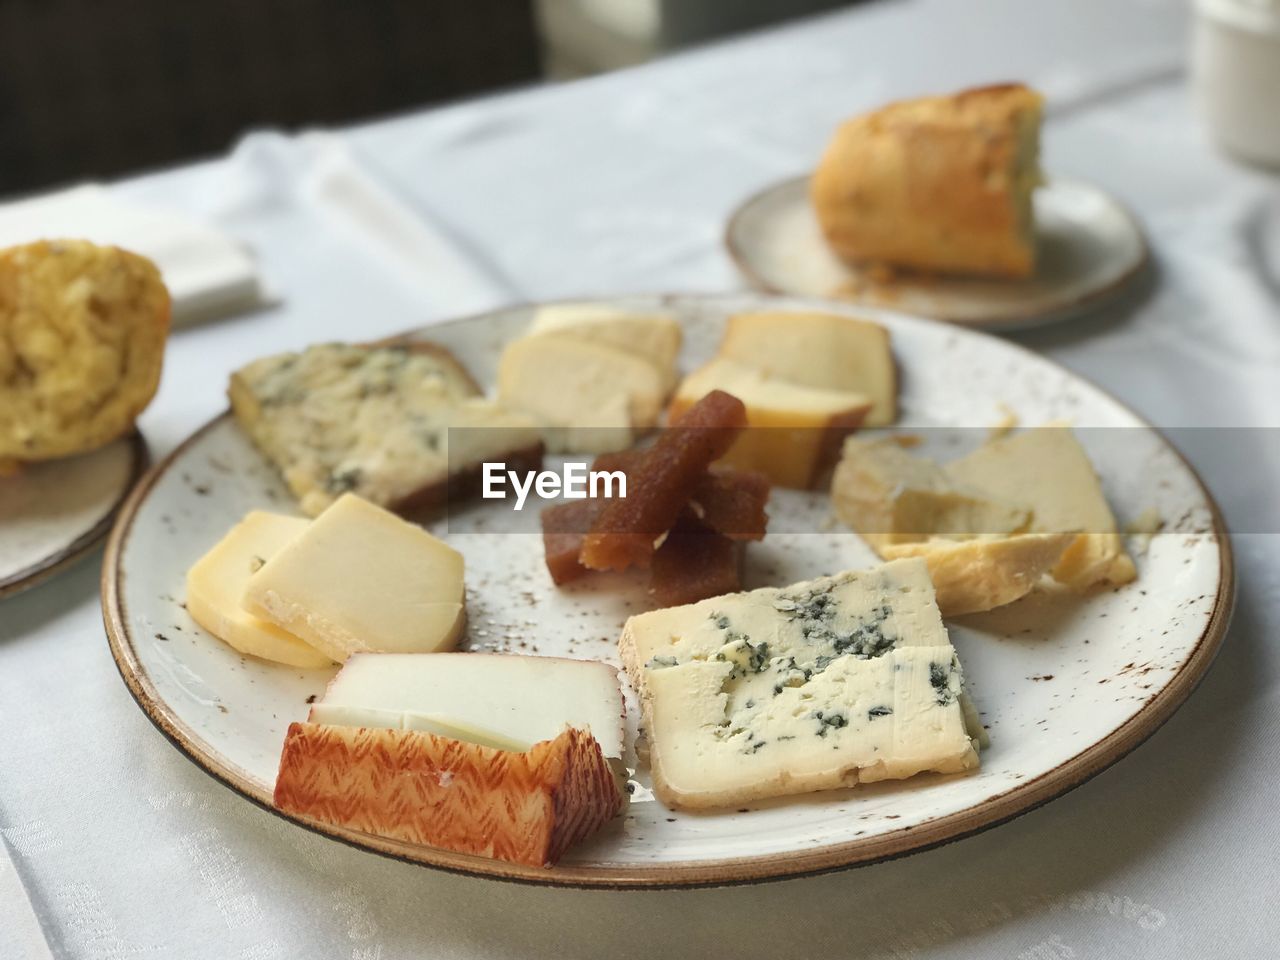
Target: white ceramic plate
1066	688
1090	249
53	513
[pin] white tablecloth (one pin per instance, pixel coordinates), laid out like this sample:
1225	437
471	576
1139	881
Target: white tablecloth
621	183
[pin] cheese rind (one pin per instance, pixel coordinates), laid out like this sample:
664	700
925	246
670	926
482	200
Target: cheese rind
971	576
778	691
217	581
360	579
1047	470
890	496
500	700
588	398
793	431
525	807
825	351
655	337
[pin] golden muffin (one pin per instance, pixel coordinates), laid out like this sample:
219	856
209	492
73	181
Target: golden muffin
82	335
938	184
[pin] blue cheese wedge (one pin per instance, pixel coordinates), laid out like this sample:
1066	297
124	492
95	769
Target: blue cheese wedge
397	425
828	683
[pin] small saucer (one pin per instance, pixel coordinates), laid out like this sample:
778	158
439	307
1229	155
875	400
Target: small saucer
1090	248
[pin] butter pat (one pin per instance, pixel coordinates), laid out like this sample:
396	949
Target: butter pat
793	431
359	579
821	350
890	497
823	684
496	700
218	580
1047	471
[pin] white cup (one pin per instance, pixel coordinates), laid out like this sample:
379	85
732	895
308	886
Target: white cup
1236	71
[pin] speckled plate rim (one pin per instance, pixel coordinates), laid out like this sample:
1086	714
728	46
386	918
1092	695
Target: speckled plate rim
64	557
1067	310
995	810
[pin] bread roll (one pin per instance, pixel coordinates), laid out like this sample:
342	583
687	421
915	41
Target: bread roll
82	335
939	184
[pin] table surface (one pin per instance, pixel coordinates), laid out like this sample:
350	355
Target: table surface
622	184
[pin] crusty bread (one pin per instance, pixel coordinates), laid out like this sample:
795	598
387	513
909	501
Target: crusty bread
403	425
82	335
521	807
939	184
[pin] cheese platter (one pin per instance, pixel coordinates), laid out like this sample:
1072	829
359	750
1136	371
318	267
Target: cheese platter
917	685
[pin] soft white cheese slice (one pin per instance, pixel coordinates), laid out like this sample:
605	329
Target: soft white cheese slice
360	579
827	683
216	583
499	700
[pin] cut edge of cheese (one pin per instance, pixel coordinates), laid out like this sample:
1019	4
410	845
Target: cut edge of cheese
216	582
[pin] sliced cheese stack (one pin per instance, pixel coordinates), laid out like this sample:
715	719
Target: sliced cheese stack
594	378
360	579
823	684
497	700
311	592
503	756
216	584
807	379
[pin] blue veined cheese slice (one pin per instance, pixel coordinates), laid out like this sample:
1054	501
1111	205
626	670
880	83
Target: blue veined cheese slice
823	684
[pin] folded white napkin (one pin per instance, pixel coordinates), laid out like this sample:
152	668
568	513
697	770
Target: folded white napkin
319	171
208	274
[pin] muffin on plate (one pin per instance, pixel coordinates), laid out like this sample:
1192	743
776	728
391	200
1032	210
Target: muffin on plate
82	335
940	184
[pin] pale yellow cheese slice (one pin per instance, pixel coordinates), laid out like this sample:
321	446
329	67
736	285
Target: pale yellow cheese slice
890	496
822	350
588	398
793	431
217	582
983	573
360	579
1046	470
654	337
